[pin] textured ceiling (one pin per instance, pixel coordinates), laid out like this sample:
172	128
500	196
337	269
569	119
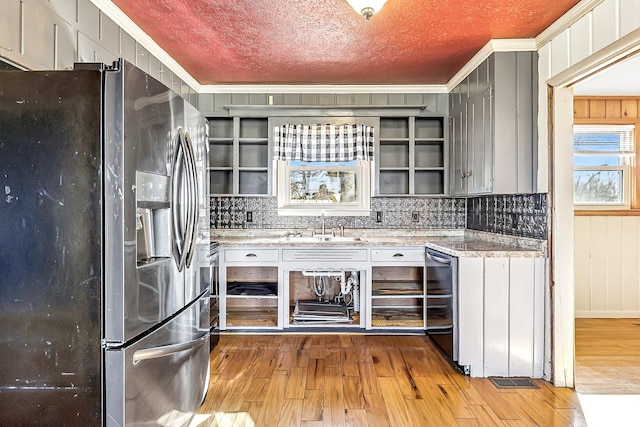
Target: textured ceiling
326	42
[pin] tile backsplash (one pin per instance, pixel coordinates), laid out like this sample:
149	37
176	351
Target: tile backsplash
522	215
395	212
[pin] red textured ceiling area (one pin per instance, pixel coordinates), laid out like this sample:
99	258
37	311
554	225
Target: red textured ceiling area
326	42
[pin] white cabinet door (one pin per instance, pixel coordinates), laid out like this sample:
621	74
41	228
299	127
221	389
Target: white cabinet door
90	51
142	57
65	46
501	316
155	68
110	35
39	36
471	315
10	27
127	47
496	317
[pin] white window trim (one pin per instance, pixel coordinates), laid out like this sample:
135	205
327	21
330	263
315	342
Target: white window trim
626	155
361	208
626	189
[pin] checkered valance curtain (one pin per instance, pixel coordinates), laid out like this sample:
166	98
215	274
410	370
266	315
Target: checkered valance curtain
323	143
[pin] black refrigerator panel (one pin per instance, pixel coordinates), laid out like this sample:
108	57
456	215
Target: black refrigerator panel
50	247
143	282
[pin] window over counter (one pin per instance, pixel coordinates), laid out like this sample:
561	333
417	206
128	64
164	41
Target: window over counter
332	188
604	166
324	168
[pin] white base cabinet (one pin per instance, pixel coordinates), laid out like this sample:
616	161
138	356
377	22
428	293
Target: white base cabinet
501	316
397	294
250	289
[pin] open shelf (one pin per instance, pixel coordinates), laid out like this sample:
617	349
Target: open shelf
251	297
239	156
413	156
397	297
396	316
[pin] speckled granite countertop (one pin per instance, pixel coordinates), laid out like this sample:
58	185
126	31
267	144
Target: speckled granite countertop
460	243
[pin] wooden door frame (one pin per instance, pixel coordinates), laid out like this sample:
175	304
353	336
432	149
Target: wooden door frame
561	221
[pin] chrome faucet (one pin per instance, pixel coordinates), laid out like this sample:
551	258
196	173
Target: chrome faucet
322	229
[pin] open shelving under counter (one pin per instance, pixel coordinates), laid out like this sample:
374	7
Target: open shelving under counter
251	297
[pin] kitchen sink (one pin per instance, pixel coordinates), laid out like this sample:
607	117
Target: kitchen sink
346	239
327	238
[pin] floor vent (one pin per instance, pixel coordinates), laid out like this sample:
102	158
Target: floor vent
513	383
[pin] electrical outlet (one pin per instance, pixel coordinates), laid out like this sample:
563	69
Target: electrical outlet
378	216
415	216
249	216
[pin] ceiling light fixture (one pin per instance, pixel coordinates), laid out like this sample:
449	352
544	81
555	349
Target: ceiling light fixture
367	7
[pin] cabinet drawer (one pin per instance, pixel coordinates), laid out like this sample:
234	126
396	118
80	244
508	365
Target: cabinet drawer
397	255
325	255
250	255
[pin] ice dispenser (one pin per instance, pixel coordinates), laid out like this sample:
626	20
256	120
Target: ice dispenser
153	228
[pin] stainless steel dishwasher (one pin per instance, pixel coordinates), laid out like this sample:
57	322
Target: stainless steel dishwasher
441	305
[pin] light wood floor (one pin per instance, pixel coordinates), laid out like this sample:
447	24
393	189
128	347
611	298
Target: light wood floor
364	380
608	356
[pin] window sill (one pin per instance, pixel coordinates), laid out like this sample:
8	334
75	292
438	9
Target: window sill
607	212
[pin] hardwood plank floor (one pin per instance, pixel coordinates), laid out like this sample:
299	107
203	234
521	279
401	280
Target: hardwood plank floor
608	356
364	380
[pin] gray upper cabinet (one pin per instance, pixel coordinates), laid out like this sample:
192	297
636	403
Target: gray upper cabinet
10	19
240	157
411	156
492	126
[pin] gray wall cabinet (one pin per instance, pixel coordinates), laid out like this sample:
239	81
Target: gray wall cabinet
240	155
411	156
411	137
492	127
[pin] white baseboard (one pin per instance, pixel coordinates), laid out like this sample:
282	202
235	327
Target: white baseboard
612	314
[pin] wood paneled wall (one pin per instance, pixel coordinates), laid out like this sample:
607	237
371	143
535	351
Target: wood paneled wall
605	108
607	246
607	266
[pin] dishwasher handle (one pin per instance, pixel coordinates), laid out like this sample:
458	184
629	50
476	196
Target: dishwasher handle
438	258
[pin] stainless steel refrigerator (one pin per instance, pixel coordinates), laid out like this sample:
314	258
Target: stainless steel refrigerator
103	219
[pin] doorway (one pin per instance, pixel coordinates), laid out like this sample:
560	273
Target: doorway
570	332
607	291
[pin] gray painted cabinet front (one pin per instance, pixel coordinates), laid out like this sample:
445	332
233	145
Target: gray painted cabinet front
491	126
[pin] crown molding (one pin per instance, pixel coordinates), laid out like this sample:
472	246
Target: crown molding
124	22
565	21
326	110
492	46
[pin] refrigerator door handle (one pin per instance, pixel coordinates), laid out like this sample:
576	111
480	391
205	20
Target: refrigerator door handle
179	162
168	350
194	202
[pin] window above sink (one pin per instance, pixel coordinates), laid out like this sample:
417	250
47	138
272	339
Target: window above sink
324	168
329	188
